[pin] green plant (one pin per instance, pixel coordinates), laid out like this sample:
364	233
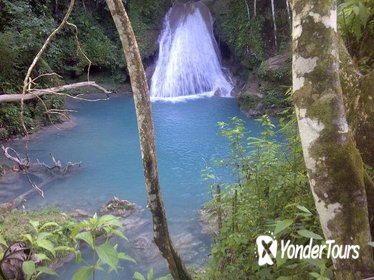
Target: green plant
269	192
354	16
244	36
48	241
356	25
105	254
45	242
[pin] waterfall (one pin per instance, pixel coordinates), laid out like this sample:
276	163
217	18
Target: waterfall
188	64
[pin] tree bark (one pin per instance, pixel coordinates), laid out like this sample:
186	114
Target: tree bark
334	166
359	103
146	133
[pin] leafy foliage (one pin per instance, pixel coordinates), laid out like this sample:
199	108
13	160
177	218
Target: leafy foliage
104	255
146	19
50	240
270	192
244	36
356	23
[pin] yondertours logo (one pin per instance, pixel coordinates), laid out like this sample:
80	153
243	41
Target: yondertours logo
267	250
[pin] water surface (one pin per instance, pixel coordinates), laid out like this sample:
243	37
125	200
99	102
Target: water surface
105	139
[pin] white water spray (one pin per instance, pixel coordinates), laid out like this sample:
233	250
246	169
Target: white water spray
188	65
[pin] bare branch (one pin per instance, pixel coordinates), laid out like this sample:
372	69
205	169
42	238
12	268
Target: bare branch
27	82
53	90
79	48
22	163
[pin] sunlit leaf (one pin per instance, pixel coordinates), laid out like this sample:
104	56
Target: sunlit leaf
47	270
309	234
86	236
83	273
46	244
108	255
123	256
138	276
282	225
28	268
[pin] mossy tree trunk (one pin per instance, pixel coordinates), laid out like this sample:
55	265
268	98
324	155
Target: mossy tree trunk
359	103
146	133
334	165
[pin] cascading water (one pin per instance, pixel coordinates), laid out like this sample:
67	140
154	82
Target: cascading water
188	65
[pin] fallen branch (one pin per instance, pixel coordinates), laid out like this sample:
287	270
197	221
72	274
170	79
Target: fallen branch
35	93
24	164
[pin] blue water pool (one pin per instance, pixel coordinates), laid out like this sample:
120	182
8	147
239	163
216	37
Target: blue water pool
105	139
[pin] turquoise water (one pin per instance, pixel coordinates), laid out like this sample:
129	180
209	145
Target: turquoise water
105	139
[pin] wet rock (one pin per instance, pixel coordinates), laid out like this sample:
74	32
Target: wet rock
208	222
118	207
134	223
80	214
142	242
145	248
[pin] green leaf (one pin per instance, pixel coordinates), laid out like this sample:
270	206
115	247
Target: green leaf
356	10
282	225
42	257
35	224
86	236
309	234
280	261
46	244
78	256
138	276
304	209
109	220
51	224
164	278
47	270
108	255
27	237
118	233
123	256
44	235
83	273
315	275
2	241
28	268
150	274
64	248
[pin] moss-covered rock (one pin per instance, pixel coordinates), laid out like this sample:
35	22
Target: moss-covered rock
274	75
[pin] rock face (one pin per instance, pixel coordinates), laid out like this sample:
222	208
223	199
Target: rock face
209	222
266	92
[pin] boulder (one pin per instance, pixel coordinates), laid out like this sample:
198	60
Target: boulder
118	207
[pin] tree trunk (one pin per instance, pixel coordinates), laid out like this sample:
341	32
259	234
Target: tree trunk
359	103
146	133
334	166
